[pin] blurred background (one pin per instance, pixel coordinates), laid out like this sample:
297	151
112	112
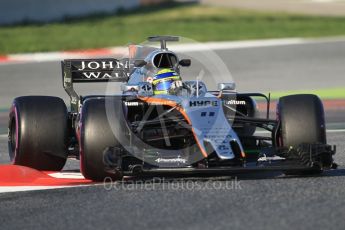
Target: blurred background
48	25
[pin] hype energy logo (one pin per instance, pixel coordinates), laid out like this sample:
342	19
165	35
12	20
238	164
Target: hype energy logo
200	103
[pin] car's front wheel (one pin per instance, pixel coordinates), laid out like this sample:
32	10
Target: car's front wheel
301	120
96	138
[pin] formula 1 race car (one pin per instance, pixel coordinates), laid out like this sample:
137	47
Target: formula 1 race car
162	125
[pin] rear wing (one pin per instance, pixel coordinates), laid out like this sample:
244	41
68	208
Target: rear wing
92	70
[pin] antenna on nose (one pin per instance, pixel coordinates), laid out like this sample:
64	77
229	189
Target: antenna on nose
163	40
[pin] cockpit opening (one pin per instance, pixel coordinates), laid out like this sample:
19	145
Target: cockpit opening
165	60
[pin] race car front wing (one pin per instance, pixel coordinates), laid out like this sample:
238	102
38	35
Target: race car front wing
306	158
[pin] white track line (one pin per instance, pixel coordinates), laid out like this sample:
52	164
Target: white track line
187	47
225	45
67	175
237	44
6	189
336	131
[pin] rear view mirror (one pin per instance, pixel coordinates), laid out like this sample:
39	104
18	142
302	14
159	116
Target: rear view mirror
185	62
227	86
139	63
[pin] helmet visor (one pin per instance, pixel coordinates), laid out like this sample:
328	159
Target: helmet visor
164	85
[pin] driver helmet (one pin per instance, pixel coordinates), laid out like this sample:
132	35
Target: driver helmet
165	81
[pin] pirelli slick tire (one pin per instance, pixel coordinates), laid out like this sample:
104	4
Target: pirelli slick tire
301	119
96	137
38	132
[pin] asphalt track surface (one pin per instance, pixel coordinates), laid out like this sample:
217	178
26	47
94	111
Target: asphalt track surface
262	201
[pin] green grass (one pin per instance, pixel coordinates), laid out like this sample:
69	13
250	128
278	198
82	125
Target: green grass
201	23
331	93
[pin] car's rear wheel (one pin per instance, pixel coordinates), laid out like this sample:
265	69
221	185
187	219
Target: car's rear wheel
38	132
301	119
96	138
